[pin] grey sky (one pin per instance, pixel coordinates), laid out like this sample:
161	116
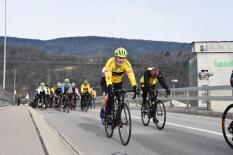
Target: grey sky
166	20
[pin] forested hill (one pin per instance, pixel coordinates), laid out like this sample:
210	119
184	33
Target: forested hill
92	45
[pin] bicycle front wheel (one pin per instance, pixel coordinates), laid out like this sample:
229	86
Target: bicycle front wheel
108	128
86	103
227	125
42	103
160	115
145	114
125	125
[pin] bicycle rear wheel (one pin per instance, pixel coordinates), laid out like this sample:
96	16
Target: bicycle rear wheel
108	128
68	107
125	125
86	103
145	114
160	115
227	125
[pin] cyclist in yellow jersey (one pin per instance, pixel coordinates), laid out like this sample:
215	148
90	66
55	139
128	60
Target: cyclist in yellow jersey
115	68
85	88
148	82
52	89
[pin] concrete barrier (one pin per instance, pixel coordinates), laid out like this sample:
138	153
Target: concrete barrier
54	143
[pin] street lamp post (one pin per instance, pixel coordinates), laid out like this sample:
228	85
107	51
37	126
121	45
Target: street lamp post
4	61
174	81
174	86
208	91
205	75
14	83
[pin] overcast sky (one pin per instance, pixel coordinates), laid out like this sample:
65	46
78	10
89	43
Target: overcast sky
161	20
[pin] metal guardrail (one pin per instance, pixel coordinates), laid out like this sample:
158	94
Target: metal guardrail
186	95
6	98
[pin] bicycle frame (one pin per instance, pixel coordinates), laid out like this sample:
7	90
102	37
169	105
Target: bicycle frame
119	96
153	101
123	122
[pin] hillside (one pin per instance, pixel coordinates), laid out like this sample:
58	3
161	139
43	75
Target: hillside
91	45
34	66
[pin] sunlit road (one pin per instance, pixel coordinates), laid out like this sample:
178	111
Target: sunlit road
182	135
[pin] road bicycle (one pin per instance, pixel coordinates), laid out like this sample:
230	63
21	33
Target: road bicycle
227	125
41	101
66	102
85	102
58	104
119	117
155	109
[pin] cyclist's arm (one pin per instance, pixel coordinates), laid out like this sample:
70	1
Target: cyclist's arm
130	73
62	89
108	71
162	81
81	90
38	90
77	92
89	89
146	78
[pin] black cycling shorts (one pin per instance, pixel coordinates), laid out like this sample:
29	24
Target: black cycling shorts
117	86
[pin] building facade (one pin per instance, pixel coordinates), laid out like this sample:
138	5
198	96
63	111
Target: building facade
215	59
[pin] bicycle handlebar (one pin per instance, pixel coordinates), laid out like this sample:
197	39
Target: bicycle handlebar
127	91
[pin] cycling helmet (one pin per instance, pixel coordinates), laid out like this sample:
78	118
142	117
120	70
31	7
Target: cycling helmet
66	80
42	84
121	52
73	84
85	82
59	84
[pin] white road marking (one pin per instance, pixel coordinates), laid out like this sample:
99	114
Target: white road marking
187	127
195	115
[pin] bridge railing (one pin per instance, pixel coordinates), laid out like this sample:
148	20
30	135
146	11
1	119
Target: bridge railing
188	94
6	98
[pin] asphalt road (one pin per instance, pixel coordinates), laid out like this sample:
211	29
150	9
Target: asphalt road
182	135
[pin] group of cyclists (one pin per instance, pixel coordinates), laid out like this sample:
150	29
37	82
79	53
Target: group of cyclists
63	96
113	72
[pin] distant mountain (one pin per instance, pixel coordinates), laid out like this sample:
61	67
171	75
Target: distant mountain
91	45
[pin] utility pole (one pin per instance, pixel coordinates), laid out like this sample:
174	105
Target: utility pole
4	61
14	83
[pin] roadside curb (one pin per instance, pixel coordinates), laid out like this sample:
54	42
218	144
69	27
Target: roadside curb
195	112
53	141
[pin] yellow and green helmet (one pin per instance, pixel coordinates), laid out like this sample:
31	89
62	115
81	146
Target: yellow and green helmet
121	52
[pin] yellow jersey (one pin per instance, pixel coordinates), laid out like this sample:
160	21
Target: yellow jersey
85	88
114	72
152	80
94	93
